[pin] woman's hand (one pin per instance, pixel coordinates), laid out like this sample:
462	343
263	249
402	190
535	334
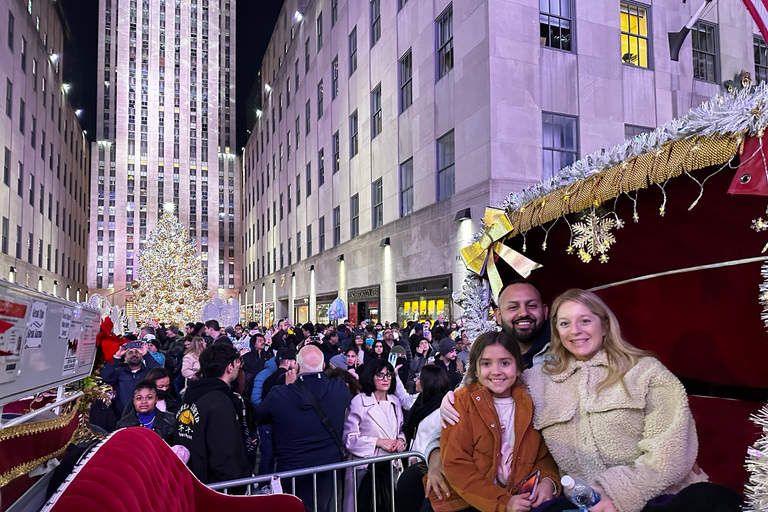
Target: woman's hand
399	445
436	478
519	503
544	491
448	414
386	444
605	504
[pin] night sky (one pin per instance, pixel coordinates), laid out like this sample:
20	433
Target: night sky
255	20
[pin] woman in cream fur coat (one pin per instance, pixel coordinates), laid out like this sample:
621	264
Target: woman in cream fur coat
614	416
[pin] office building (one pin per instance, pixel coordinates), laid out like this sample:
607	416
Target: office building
46	157
387	127
165	136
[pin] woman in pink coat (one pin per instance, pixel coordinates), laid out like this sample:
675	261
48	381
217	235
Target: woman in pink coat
374	425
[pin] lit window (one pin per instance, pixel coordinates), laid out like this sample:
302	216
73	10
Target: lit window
635	42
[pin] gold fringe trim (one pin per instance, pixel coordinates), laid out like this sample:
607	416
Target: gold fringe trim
26	429
671	160
26	467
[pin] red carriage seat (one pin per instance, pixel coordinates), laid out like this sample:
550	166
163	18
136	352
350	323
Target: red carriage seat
134	469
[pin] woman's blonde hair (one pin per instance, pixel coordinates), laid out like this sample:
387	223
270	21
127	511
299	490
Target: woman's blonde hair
196	346
622	356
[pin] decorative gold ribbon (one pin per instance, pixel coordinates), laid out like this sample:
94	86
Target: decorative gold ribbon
479	257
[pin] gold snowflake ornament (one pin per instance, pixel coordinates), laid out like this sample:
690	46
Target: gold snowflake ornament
593	237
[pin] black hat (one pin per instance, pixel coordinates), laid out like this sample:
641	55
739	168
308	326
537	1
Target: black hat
446	345
286	353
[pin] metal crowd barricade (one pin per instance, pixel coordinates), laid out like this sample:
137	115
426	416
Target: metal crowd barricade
334	468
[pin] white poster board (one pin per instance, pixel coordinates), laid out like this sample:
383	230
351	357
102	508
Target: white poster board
45	341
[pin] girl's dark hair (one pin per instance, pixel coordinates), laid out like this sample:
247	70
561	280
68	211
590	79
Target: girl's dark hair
367	379
385	352
157	373
434	382
486	340
352	383
145	384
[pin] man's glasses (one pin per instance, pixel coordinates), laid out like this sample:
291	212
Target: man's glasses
383	376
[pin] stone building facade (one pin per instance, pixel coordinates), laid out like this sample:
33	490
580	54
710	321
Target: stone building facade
387	127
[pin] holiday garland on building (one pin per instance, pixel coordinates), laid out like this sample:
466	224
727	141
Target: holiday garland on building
170	286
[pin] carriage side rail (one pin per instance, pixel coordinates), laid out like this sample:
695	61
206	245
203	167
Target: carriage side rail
315	470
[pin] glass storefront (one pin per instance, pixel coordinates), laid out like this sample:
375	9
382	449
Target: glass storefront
423	308
269	314
301	310
363	304
323	305
424	299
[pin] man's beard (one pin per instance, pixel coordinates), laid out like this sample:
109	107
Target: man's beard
528	336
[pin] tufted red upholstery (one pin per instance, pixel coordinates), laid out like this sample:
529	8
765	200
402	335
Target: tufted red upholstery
135	470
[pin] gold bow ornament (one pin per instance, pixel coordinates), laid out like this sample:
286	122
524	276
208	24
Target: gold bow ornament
480	256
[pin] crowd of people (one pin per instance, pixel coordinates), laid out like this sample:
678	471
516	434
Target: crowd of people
554	392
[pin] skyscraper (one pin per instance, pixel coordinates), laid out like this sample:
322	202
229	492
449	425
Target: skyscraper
165	135
44	152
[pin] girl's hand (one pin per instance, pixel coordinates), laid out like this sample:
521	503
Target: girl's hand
544	491
386	444
605	504
519	503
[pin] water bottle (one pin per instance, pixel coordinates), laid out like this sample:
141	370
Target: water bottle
580	492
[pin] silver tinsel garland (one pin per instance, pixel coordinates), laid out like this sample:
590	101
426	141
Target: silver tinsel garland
722	115
756	491
474	298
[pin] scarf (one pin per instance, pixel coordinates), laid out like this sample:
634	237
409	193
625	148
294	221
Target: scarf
419	411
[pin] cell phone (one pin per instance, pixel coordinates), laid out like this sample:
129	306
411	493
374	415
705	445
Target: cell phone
392	359
133	344
530	483
380	335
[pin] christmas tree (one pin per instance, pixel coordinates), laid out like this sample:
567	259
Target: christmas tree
170	286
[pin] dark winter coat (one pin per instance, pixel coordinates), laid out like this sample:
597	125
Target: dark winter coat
253	361
299	437
122	379
210	426
163	425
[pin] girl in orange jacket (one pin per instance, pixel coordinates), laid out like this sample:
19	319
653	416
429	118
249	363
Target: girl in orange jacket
488	454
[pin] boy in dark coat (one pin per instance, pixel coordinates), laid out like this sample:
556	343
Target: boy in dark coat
211	422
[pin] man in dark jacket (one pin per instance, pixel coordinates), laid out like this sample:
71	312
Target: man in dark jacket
416	334
128	368
253	361
213	331
290	411
210	422
330	345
